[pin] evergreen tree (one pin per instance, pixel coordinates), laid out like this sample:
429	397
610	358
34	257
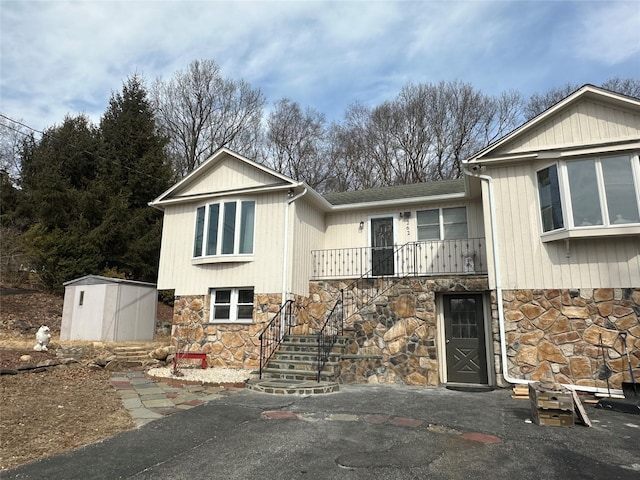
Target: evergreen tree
134	171
85	190
57	177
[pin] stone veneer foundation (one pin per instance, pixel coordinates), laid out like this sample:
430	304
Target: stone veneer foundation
566	336
228	345
394	340
551	335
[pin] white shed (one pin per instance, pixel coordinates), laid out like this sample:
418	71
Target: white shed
108	309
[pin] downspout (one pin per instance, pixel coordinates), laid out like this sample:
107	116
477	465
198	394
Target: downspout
496	270
285	243
498	277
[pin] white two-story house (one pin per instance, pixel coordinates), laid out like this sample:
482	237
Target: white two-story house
524	269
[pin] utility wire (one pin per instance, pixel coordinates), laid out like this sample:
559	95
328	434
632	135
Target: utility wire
81	150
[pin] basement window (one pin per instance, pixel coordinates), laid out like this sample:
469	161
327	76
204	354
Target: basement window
232	305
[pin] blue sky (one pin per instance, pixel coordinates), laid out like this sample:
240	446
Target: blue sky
68	57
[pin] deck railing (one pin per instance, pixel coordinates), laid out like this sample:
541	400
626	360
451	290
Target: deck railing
424	258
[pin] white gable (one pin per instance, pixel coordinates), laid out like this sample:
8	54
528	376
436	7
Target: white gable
225	172
226	175
589	118
585	122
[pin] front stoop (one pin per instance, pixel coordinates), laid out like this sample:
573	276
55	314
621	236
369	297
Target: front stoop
277	386
293	369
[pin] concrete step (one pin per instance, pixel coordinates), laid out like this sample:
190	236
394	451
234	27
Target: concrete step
301	356
311	339
286	364
306	348
287	374
292	387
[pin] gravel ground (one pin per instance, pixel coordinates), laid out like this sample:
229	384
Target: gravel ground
208	375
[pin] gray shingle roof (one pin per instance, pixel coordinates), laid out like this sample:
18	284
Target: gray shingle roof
398	192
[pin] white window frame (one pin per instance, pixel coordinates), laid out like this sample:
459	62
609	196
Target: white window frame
233	305
570	230
220	231
441	222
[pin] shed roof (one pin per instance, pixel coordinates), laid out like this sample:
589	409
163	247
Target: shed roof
398	192
100	280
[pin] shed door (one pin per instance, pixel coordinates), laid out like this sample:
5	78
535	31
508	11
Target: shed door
465	339
382	246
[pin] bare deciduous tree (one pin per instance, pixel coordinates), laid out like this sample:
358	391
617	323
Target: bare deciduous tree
200	112
12	135
538	103
296	144
422	135
351	143
625	86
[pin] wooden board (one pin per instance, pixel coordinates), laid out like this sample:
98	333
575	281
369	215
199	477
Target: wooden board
582	414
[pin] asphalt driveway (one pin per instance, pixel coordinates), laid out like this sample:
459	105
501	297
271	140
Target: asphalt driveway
387	432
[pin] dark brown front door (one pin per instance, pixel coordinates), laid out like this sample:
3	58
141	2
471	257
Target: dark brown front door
382	246
465	339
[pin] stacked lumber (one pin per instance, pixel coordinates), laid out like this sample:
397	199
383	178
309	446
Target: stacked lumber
521	392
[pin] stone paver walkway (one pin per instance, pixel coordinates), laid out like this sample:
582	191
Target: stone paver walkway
148	399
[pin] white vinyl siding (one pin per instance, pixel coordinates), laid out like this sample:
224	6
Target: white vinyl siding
343	228
527	262
586	122
178	270
227	175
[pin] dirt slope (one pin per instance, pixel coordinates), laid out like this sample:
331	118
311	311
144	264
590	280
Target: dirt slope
46	411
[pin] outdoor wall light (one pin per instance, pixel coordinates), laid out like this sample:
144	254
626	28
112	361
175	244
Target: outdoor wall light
361	225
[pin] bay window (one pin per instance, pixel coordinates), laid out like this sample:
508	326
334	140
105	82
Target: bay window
591	193
225	228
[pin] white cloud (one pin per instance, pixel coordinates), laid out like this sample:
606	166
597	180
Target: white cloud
606	32
63	57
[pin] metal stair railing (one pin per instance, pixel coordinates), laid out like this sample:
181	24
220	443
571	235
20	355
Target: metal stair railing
334	324
332	328
363	291
272	335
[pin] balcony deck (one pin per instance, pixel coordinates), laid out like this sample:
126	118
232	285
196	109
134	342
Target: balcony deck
424	258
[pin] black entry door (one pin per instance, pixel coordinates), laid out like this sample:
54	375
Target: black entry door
382	246
465	339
